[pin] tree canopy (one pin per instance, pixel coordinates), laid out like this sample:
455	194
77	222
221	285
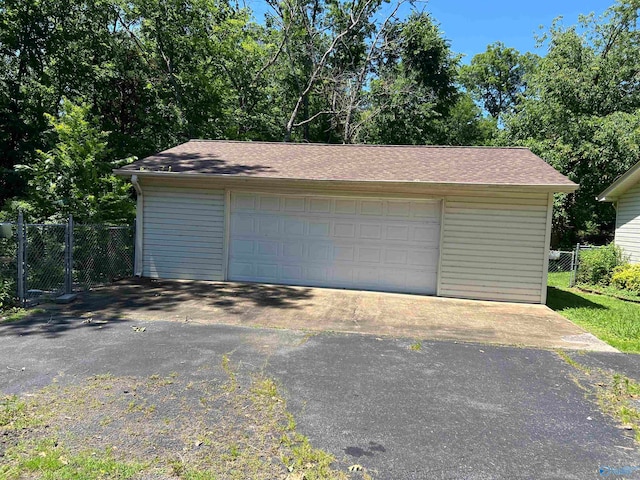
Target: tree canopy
581	113
84	84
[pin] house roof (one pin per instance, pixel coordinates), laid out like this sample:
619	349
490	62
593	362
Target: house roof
484	166
623	183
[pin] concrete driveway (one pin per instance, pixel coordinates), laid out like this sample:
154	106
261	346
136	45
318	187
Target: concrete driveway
444	411
321	309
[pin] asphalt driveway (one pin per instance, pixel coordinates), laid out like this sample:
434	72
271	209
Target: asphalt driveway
322	309
400	409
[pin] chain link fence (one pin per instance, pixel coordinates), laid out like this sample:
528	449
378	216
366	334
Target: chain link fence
578	255
561	261
41	261
8	265
564	261
44	260
101	254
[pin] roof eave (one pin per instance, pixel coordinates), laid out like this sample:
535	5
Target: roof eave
555	188
621	185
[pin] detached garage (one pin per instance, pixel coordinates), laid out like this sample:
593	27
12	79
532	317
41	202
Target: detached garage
468	222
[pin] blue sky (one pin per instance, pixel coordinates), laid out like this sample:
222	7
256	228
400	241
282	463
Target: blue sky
471	25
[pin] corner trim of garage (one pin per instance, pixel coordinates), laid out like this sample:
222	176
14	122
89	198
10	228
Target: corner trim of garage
227	234
547	247
443	205
138	253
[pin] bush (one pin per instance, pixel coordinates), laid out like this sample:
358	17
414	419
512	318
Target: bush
597	264
627	277
7	293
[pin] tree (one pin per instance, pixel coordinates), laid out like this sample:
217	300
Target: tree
74	177
330	51
497	77
581	112
415	87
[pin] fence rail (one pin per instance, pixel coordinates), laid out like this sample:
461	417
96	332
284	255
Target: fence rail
46	260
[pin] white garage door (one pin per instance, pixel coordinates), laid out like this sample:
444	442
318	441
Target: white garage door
363	243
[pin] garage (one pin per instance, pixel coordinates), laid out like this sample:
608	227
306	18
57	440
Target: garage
461	222
325	241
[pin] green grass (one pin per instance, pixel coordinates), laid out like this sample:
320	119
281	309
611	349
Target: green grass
615	321
616	394
612	292
559	280
50	461
93	430
15	314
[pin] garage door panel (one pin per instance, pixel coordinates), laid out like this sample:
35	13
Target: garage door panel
395	256
376	244
294	226
294	204
269	203
319	228
292	273
319	205
346	253
426	235
347	207
344	230
243	225
370	231
241	201
371	207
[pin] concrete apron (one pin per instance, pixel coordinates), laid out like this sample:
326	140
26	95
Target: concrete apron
324	309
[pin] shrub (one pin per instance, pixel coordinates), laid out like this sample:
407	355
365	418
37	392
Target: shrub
597	264
7	293
627	277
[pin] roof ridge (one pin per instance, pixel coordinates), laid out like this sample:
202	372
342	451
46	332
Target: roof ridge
368	145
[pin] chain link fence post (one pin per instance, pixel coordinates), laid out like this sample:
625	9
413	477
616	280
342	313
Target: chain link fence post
68	256
20	260
574	266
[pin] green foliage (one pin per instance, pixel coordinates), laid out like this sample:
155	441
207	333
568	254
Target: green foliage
414	99
496	78
148	74
615	321
627	277
597	265
74	176
7	292
581	113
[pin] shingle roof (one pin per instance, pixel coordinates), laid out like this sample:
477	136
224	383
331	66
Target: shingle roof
361	163
621	184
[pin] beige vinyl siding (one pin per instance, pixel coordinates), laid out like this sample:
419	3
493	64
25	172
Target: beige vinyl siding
183	233
493	246
628	224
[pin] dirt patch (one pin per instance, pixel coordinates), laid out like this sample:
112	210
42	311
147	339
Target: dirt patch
159	427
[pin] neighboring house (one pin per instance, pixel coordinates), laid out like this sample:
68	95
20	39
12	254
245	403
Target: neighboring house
625	195
468	222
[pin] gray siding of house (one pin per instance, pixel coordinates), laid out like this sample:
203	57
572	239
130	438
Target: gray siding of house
493	243
183	233
494	246
628	224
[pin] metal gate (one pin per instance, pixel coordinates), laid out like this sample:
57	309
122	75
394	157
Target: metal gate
52	259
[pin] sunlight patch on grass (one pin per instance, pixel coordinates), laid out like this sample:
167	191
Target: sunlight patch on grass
50	461
16	314
615	321
559	279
